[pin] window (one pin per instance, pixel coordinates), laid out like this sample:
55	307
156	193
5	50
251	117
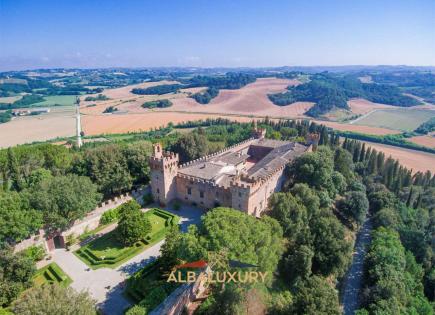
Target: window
189	190
201	194
240	194
158	191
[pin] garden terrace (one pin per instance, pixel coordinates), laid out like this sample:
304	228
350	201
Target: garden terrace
50	274
107	251
149	287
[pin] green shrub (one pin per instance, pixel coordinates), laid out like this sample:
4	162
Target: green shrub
137	310
148	199
177	205
109	216
156	296
35	253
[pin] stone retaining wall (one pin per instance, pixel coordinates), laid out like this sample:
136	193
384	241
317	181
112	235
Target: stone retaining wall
88	223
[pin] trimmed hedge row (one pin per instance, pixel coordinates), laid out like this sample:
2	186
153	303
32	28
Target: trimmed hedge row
135	291
93	259
53	274
57	273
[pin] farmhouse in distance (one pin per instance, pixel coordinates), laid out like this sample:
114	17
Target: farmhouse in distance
242	176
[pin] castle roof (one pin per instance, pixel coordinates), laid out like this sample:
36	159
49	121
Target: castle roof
268	155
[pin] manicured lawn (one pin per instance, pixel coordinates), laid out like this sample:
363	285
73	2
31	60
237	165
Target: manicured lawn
51	273
107	251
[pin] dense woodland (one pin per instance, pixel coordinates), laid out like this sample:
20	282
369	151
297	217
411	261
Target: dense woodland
426	127
213	84
305	241
206	96
99	97
158	89
157	104
5	116
421	84
330	91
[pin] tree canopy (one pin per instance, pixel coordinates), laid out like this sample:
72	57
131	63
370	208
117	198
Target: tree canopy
133	224
64	199
53	299
17	219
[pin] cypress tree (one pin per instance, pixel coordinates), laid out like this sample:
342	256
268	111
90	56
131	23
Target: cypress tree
372	166
357	152
408	200
363	152
380	160
14	173
417	203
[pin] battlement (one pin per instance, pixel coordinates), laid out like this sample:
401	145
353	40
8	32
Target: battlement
312	139
242	176
215	154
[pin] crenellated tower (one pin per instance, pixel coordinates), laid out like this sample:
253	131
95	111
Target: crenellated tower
258	133
164	169
312	140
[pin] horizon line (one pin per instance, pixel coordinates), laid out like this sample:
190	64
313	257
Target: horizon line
221	67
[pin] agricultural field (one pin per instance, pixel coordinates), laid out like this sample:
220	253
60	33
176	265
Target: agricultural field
57	100
426	140
10	99
60	122
397	119
123	123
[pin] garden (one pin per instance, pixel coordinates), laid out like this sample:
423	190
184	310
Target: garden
147	288
50	274
111	251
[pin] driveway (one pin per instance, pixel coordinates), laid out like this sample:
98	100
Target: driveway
107	285
354	277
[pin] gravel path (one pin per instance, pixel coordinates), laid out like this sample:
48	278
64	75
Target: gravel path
354	278
107	285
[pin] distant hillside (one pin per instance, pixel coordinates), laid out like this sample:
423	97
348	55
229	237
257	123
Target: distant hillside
333	91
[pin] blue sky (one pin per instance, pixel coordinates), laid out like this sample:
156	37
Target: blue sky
133	33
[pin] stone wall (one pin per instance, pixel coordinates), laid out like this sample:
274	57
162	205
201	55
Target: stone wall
34	240
258	199
89	222
212	195
178	300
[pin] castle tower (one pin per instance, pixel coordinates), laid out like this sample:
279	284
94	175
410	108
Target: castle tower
164	169
312	139
258	133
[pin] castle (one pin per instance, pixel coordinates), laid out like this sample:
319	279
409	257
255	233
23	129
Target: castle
242	176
